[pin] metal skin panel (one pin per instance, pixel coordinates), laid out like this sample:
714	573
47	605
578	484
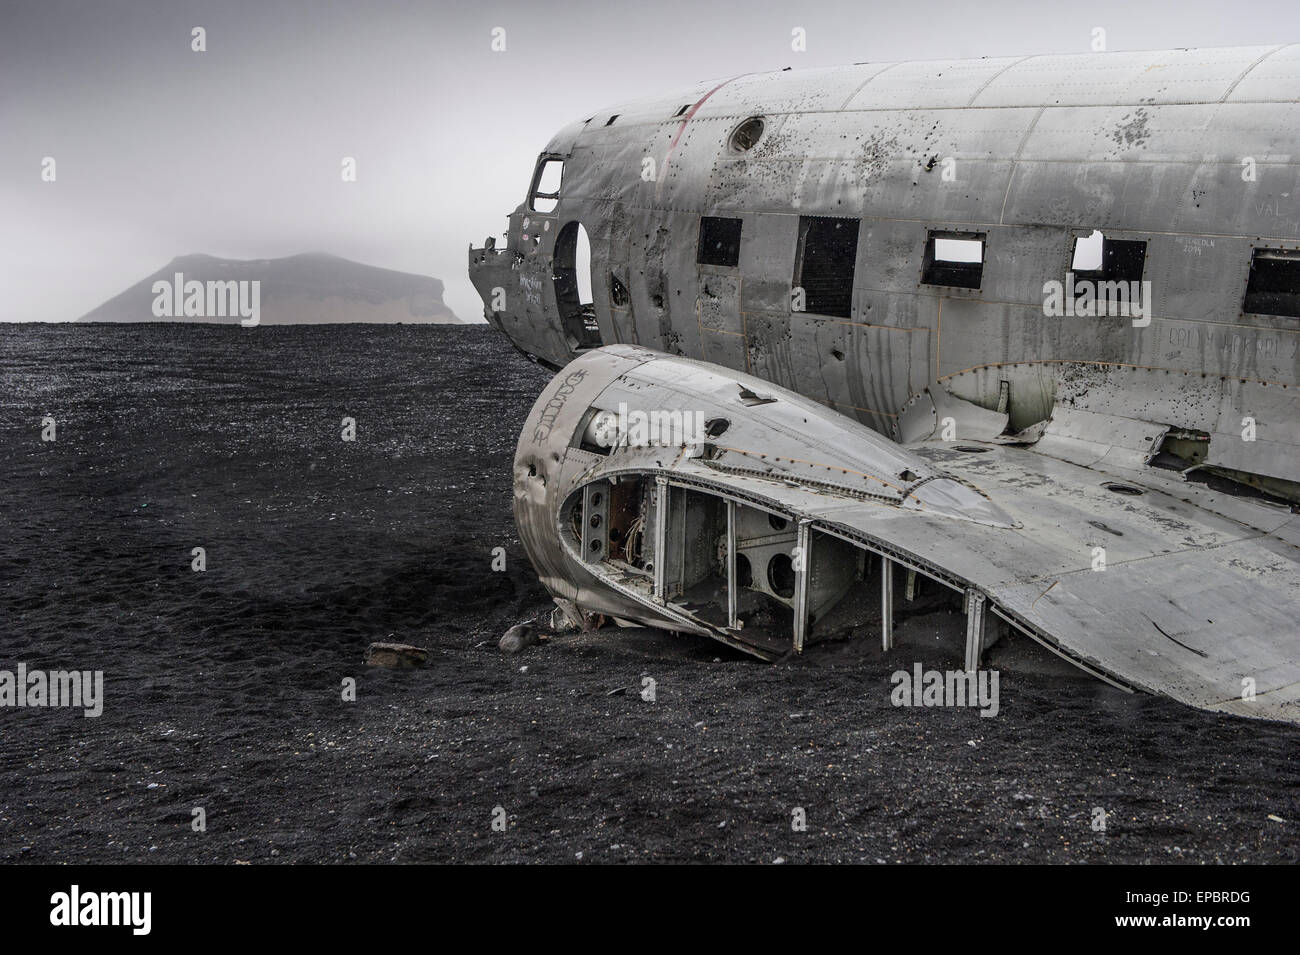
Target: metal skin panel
1157	77
1192	152
1269	78
1195	594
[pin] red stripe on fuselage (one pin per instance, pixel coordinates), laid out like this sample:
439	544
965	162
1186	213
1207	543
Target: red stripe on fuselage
663	173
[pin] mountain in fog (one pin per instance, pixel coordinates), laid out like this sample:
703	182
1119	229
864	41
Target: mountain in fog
308	289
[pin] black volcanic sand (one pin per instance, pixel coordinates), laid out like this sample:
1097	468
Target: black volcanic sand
224	688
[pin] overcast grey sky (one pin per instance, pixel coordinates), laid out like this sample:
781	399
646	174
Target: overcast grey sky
236	152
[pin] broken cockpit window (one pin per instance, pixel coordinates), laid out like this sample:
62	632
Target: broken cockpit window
719	241
545	194
825	260
954	259
1274	285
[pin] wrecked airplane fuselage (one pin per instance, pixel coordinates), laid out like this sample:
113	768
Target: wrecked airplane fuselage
992	322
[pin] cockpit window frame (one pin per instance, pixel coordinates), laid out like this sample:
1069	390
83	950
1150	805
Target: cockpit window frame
534	190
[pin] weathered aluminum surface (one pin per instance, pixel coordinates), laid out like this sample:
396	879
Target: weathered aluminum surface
1145	146
1197	592
1152	147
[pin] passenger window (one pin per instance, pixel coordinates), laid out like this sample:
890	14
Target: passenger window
954	259
1100	259
1274	286
719	242
825	260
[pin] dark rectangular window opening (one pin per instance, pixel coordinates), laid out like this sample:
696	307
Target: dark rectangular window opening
682	111
954	259
824	264
610	121
1099	259
719	241
1274	285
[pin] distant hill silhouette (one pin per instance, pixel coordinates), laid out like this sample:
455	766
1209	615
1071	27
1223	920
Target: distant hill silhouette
313	288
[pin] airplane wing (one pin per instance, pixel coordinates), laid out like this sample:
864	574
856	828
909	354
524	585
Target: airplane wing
1142	577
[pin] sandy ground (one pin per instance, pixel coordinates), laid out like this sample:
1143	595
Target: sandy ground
224	688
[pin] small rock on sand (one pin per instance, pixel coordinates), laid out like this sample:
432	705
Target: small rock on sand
517	637
396	656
